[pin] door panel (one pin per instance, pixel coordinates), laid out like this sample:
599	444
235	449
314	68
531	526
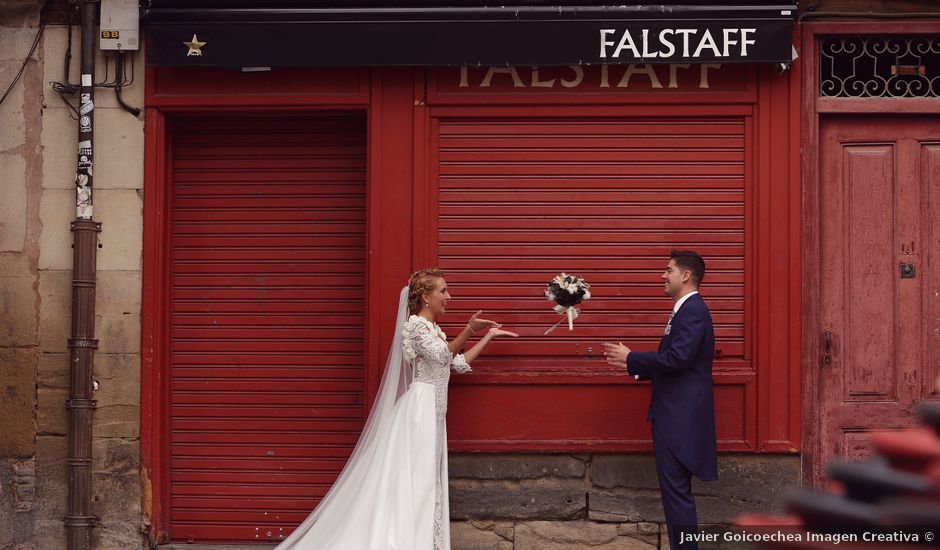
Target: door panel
867	283
931	267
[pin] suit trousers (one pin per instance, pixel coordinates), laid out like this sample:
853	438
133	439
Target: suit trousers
675	486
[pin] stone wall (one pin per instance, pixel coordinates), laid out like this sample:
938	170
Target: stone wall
547	502
20	182
38	146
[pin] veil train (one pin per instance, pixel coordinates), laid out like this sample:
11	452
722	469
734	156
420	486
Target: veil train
384	497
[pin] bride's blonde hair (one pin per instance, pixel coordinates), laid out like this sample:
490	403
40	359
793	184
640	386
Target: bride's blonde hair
420	283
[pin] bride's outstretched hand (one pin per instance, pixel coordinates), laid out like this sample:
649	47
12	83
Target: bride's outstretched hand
496	331
475	323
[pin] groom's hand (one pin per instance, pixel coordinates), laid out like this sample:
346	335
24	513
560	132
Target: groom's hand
616	354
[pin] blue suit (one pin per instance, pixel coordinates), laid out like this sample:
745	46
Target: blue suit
682	411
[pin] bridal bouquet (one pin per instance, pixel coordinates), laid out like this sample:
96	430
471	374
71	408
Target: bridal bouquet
567	291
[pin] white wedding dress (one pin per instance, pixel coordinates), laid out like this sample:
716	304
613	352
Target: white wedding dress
392	493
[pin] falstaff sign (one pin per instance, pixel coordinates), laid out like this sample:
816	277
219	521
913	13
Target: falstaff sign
482	36
677	44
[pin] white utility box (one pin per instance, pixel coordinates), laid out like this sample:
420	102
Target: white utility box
120	25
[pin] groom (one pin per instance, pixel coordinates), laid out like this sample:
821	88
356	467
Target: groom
682	408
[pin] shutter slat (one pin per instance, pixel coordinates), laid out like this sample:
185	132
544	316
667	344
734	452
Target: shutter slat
522	199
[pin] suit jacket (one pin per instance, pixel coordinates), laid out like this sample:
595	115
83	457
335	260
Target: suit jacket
683	402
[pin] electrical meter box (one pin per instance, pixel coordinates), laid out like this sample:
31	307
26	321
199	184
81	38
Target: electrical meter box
120	25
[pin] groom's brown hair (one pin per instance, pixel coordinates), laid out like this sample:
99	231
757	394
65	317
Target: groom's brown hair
687	259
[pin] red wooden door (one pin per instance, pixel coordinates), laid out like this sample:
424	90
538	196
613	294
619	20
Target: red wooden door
266	377
880	185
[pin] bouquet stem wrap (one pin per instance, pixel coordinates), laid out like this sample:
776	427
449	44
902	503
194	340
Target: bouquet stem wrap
569	314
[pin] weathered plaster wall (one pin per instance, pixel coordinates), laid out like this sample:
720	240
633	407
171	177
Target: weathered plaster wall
38	145
20	185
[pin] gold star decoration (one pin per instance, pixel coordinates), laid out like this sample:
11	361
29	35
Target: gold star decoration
195	46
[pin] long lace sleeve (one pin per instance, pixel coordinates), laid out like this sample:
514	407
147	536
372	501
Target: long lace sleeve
460	364
425	342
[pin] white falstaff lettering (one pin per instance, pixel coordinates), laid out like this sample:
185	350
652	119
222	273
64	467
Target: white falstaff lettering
665	44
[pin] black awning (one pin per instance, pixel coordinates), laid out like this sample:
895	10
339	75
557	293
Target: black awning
284	33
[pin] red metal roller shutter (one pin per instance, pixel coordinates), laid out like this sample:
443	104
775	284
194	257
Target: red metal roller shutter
603	197
268	273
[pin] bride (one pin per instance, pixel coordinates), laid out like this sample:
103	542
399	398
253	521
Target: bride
392	493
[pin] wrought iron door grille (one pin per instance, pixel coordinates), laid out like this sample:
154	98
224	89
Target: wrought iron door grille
901	66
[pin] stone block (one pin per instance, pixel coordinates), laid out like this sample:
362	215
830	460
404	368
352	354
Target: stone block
126	534
6	503
52	477
117	421
53	371
59	142
574	535
55	311
17	401
116	497
646	532
19	13
119	150
117	309
56	213
118	334
24	484
527	499
118	293
627	471
121	237
475	535
112	456
122	230
118	375
625	505
746	484
12	201
118	394
50	533
627	489
15	42
14	264
13	130
52	417
19	322
512	466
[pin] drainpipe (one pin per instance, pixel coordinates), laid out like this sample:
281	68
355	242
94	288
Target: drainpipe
82	343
